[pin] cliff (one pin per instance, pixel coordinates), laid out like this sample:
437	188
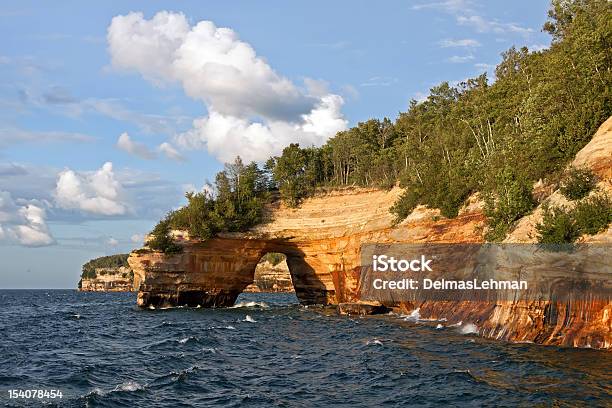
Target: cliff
271	278
323	241
118	279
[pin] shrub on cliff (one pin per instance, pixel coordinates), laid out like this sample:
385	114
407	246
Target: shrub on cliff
557	226
510	200
593	214
577	183
590	216
161	239
240	193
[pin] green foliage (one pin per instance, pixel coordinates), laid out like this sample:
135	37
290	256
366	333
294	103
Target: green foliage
273	257
162	240
241	193
496	138
593	214
111	261
577	183
590	216
557	227
510	200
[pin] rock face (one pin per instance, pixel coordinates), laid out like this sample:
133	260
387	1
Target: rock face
109	280
271	278
322	240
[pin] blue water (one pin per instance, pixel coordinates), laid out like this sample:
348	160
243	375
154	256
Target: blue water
100	350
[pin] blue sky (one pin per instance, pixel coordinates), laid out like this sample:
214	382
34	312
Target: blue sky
186	96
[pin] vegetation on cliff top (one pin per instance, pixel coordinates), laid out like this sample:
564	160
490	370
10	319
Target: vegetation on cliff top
590	216
496	138
111	261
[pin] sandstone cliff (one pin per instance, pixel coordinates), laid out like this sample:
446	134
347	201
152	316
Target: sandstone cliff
323	238
109	280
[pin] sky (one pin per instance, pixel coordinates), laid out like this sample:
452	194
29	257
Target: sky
110	111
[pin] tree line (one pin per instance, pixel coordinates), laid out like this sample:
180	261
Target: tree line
496	138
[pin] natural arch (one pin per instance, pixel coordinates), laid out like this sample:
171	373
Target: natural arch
322	240
271	275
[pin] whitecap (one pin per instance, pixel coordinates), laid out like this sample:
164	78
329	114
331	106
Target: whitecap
374	342
96	391
76	316
185	340
469	328
414	316
210	350
262	305
129	386
248	318
439	326
151	307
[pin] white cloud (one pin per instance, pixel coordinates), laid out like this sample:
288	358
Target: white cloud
252	110
483	25
460	59
466	14
379	81
482	67
137	238
112	242
146	122
170	152
420	96
91	192
449	6
23	222
9	136
464	43
126	144
538	47
227	136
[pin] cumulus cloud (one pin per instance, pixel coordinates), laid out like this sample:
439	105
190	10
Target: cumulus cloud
92	192
126	144
252	110
170	152
112	242
23	222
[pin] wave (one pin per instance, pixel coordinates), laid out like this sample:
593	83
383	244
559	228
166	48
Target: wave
228	327
414	316
129	386
248	318
188	339
374	342
439	326
261	305
469	328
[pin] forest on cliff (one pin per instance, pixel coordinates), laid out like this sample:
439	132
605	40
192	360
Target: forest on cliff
497	137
